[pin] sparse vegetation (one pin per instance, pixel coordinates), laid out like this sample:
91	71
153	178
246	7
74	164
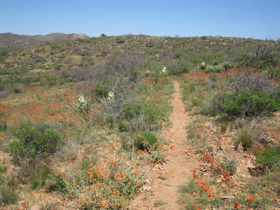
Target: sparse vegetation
84	118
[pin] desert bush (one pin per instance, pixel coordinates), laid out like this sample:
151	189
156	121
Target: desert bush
37	59
123	63
34	142
146	141
227	65
101	89
83	53
8	195
195	60
216	68
120	40
247	94
122	93
262	56
4	94
50	206
178	54
150	44
229	165
178	67
164	53
252	82
248	135
210	68
269	159
3	122
246	104
83	73
33	171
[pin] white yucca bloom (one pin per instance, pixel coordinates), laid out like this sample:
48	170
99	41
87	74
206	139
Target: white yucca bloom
164	71
110	95
81	99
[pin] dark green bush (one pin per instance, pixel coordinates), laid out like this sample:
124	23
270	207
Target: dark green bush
145	141
120	40
195	60
131	111
101	89
270	159
34	142
245	104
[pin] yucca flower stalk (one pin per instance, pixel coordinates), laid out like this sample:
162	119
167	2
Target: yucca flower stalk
164	71
82	106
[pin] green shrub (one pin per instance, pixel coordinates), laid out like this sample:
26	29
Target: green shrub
50	206
8	195
269	159
132	110
218	68
229	165
150	44
179	67
123	126
262	56
3	124
195	60
120	40
189	187
227	65
210	68
145	141
246	104
246	137
39	176
34	142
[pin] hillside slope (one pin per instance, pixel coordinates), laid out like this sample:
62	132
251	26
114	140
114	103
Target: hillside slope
25	40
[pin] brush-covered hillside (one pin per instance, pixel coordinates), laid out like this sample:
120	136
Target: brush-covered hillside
140	122
64	62
15	40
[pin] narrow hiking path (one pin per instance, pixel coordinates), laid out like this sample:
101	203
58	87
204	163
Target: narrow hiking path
165	179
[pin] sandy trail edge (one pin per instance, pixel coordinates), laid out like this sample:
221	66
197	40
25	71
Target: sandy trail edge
179	164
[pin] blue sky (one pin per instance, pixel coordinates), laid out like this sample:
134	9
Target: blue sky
235	18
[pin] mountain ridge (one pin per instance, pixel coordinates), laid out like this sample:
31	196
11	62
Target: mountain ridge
27	40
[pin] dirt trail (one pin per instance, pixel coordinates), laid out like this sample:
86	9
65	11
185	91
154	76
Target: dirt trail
165	179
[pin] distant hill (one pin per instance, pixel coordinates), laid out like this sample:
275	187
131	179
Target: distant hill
26	40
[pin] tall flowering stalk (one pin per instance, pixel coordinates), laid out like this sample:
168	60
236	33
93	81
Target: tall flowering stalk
82	106
164	71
